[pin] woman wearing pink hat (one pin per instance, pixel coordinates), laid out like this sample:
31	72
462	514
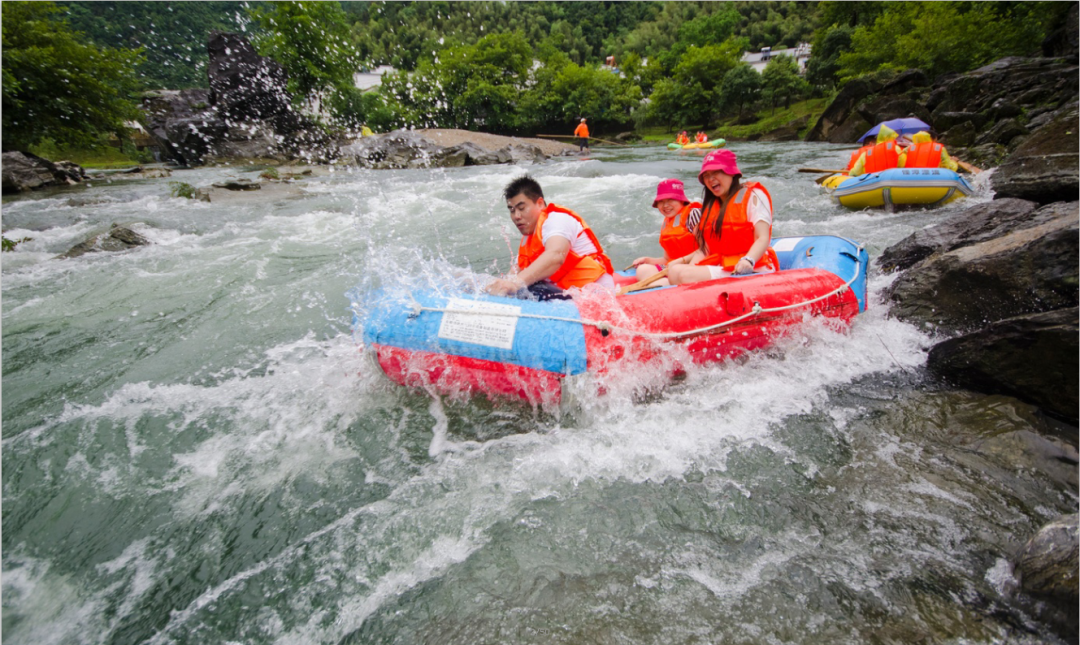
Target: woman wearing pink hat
735	229
677	232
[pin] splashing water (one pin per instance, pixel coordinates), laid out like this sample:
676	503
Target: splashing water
196	449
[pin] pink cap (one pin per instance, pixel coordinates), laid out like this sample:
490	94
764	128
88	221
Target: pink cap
670	189
722	160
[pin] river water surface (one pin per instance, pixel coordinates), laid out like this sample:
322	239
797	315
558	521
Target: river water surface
196	449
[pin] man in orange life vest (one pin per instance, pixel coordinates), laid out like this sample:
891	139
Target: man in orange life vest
558	249
582	133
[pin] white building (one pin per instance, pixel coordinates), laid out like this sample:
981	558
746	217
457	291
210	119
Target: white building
759	60
370	80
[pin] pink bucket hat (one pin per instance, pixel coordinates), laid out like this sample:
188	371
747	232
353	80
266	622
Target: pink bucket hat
722	160
670	189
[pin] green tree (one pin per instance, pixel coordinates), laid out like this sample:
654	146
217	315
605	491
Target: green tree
941	37
822	68
692	95
740	89
172	34
311	41
781	80
57	86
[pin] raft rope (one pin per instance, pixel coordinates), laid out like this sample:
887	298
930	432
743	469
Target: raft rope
606	328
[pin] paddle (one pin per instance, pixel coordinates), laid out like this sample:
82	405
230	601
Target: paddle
820	180
820	170
638	286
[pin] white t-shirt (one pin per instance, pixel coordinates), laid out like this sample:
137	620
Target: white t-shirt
759	209
562	225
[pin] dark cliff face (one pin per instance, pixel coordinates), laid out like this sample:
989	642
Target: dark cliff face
986	113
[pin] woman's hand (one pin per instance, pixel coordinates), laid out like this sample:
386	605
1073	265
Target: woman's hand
744	266
646	260
505	286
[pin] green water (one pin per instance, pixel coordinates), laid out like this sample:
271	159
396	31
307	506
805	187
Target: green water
197	450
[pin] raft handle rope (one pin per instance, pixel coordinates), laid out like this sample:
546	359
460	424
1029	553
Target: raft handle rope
607	328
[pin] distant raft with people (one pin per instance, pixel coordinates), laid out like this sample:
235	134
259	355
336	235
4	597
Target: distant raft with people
695	145
501	347
897	187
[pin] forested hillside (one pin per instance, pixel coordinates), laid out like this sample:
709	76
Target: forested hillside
514	67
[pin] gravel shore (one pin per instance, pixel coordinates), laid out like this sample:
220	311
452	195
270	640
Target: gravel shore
492	142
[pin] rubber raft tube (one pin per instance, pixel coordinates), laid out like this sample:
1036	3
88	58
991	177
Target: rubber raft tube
506	347
715	143
898	187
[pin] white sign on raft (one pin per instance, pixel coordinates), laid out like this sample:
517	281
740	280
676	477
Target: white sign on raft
478	329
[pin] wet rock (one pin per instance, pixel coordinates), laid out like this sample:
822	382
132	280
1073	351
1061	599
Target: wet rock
246	114
243	85
1047	563
1002	132
833	124
944	121
24	172
1032	357
1046	166
977	224
238	184
118	238
1028	270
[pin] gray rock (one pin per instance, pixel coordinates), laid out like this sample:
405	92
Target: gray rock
976	224
1046	166
238	184
828	126
961	135
243	85
118	238
1047	563
23	172
1029	270
944	121
1032	357
1002	132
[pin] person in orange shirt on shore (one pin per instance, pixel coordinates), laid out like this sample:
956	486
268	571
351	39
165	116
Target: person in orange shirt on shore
582	133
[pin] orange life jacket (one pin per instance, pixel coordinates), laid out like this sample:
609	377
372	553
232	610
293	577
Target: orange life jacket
582	131
924	155
676	238
576	270
701	137
736	233
682	139
883	156
855	156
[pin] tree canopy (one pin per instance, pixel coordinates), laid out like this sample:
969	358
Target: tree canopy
512	67
57	85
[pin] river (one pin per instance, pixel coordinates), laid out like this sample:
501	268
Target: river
197	450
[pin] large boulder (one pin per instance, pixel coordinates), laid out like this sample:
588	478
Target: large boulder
1027	270
1046	166
832	125
117	238
243	85
246	114
1032	357
976	224
24	172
